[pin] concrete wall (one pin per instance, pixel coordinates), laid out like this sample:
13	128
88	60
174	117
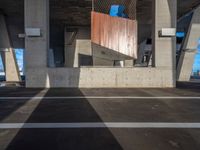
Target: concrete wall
100	77
101	54
81	45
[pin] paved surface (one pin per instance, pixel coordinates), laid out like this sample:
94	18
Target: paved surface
115	106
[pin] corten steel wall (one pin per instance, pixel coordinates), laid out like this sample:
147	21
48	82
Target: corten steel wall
115	33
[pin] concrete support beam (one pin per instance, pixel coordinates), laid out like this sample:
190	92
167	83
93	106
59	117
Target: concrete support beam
185	64
189	50
164	48
8	55
37	16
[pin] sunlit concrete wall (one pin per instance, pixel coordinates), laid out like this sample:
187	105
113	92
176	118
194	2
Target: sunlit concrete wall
100	77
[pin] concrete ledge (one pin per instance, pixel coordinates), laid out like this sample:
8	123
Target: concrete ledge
100	77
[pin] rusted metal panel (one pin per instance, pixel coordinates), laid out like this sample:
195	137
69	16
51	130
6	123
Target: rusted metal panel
118	34
95	28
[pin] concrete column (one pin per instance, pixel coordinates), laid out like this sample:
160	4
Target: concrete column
189	50
8	55
164	48
36	16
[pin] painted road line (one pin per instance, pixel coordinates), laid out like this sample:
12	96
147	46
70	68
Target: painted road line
99	97
97	125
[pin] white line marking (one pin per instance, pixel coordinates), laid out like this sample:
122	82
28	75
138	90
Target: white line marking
98	97
97	125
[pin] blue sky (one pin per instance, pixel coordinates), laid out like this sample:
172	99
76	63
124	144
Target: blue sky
196	65
1	65
19	55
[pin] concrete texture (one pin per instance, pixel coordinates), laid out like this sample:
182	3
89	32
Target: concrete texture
100	110
107	54
100	77
129	63
164	48
102	62
189	49
185	65
81	45
7	52
37	47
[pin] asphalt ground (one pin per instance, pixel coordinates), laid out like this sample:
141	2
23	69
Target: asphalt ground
100	119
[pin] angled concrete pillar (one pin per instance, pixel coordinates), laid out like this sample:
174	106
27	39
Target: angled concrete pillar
36	48
8	55
189	50
185	64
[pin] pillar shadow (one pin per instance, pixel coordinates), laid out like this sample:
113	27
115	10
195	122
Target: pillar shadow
64	111
7	107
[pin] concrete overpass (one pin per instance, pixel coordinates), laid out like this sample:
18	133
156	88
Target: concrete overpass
77	13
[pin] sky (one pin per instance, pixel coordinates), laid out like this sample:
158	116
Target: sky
19	56
196	65
1	65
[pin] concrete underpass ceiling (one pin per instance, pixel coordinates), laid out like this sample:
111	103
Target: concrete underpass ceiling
77	12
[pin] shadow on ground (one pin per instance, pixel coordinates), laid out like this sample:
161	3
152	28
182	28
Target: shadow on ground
8	107
48	111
